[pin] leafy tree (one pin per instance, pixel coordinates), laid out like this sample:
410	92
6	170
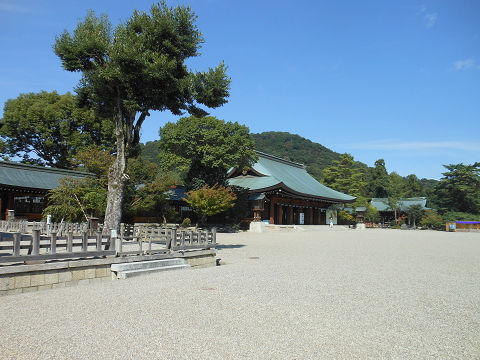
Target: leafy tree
77	199
394	191
343	176
137	68
379	184
371	214
432	220
74	200
152	197
414	213
412	186
210	200
241	208
460	216
203	149
345	218
459	189
48	129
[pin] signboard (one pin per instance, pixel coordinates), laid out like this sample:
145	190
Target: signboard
302	218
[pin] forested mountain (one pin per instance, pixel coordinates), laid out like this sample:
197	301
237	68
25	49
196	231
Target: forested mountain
295	148
370	181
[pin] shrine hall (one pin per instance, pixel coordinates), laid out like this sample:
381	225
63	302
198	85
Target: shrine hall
282	192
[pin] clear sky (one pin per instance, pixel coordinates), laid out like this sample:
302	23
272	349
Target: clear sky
398	80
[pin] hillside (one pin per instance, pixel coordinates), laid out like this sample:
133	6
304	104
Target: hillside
295	148
287	146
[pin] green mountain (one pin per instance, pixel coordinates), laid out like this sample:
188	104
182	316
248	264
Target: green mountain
295	148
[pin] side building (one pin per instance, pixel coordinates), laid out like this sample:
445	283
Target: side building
282	192
23	188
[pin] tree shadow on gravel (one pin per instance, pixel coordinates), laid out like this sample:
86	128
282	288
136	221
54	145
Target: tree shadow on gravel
229	246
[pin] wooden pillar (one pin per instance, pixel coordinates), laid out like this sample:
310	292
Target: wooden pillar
290	215
311	215
280	213
272	211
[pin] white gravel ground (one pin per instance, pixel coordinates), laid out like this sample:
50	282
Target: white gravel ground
374	294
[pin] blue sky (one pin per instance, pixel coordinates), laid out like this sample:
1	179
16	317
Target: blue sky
377	79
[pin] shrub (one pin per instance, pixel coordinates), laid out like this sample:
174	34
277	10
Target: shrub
432	220
345	218
371	214
460	216
186	223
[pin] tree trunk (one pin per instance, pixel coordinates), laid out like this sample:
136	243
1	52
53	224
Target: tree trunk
116	178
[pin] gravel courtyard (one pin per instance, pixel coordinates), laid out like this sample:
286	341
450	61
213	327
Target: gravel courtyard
339	294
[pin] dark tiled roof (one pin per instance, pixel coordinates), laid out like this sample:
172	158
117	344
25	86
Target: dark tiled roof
280	173
34	177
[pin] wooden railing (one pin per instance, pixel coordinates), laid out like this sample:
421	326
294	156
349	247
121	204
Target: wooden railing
140	240
18	247
151	240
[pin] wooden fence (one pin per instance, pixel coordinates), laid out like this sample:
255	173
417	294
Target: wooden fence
18	247
151	240
141	240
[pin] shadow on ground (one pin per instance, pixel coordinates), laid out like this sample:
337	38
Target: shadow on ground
232	246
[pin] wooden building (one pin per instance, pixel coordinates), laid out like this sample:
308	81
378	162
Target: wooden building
282	192
23	188
387	214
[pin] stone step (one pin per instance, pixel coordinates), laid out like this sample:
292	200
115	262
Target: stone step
127	270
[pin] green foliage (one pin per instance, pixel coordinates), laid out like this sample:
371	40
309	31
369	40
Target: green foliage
345	177
460	216
151	151
142	171
49	129
432	220
74	200
459	189
371	214
152	196
140	65
379	181
203	149
414	213
345	218
186	223
210	200
298	149
241	208
412	186
135	68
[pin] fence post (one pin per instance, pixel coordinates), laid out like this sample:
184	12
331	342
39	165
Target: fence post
173	244
84	241
116	240
190	235
36	242
183	239
99	240
16	244
53	242
140	242
214	236
69	241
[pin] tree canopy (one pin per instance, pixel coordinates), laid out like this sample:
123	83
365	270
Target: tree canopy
135	68
203	149
459	189
47	128
210	200
346	177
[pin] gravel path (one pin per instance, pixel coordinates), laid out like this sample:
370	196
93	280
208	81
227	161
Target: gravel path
374	294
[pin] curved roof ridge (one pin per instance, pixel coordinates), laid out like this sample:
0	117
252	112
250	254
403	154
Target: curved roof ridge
278	159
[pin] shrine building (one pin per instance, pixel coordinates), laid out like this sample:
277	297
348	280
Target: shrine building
282	192
23	188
